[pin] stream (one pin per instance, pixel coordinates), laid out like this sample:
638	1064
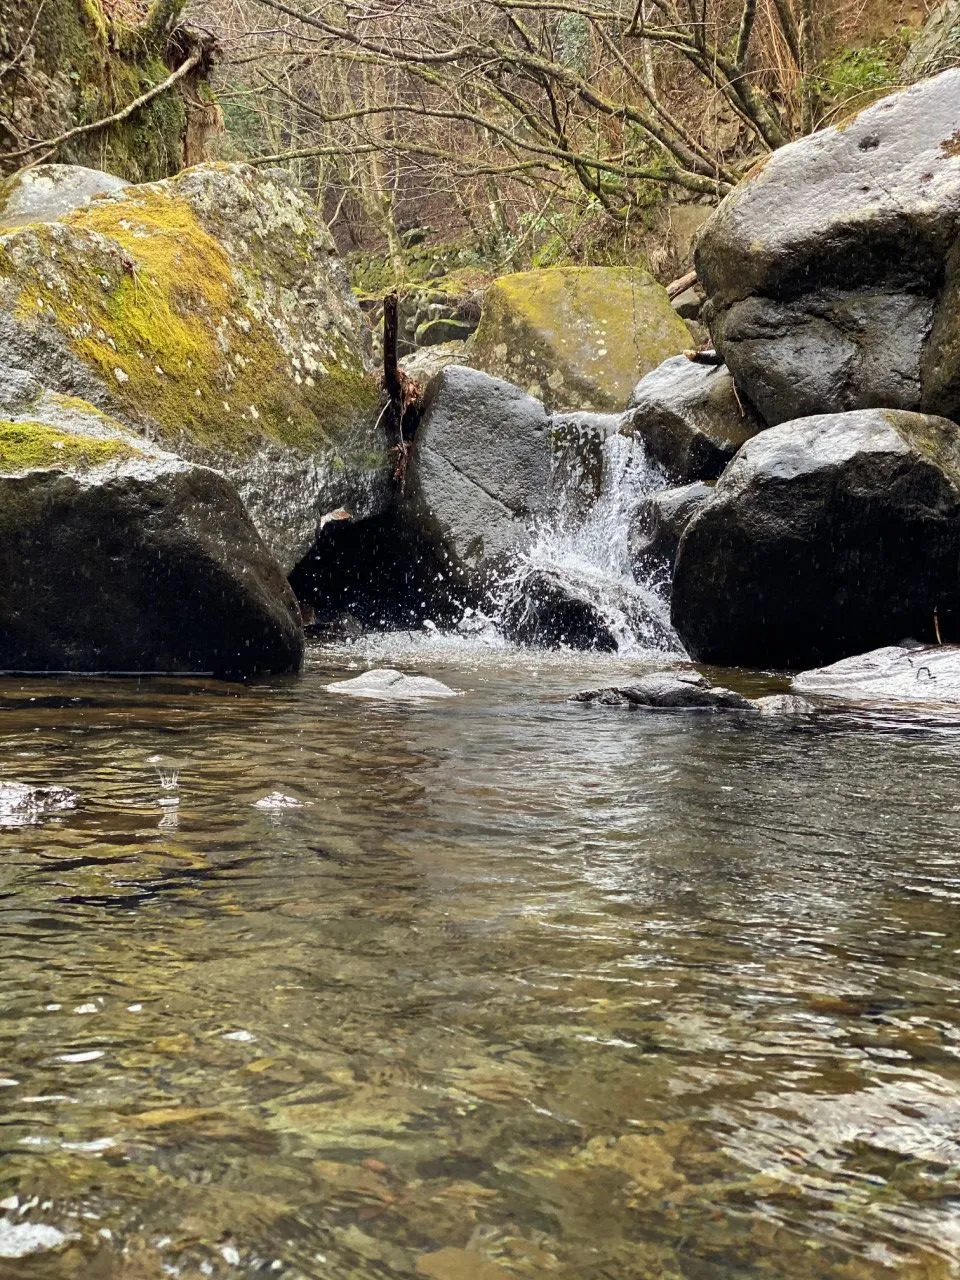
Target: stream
498	986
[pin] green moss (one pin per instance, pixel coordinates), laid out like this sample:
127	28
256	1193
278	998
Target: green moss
153	302
29	446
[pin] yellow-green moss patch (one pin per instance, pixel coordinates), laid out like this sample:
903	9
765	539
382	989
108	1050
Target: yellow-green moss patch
33	446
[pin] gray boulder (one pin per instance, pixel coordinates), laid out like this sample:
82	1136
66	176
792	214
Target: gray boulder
894	674
50	191
833	271
690	419
392	686
937	46
480	469
669	691
659	524
116	556
824	538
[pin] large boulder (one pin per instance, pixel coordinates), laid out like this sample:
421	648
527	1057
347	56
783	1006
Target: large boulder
542	610
116	556
690	418
480	470
210	313
577	337
824	538
833	271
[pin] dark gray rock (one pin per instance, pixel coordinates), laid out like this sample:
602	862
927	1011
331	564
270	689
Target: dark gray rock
577	446
688	304
669	691
433	333
18	389
480	468
659	524
543	611
833	271
690	419
115	557
894	674
825	537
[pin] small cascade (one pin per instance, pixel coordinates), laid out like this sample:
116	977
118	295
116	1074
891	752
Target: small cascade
581	550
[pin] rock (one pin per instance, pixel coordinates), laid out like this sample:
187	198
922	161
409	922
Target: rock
825	537
116	556
689	418
937	46
577	446
659	524
783	705
49	191
427	362
432	333
544	612
893	674
669	691
22	805
480	467
833	270
18	389
392	685
688	304
577	337
210	313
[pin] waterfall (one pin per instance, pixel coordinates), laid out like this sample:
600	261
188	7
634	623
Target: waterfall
600	478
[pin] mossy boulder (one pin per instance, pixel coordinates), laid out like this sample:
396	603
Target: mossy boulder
210	313
116	556
577	337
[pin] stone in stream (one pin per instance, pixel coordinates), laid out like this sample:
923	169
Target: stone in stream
896	674
22	805
785	705
480	468
833	270
825	538
669	691
543	611
393	686
689	418
117	556
659	523
209	313
577	337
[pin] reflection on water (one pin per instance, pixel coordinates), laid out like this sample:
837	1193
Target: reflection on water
489	988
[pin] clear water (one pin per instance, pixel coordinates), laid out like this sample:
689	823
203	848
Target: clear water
522	989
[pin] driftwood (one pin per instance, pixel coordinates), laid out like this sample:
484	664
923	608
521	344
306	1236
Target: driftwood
677	287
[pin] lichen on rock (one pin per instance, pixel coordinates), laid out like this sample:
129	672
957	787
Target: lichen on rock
577	337
210	313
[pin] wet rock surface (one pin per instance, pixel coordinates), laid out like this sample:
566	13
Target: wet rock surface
824	538
690	418
895	674
833	272
393	686
116	556
669	691
544	611
660	522
23	805
480	468
577	337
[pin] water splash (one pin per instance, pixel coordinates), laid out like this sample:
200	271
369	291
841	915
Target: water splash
584	543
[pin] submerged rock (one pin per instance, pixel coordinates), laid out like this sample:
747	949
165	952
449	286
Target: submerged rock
659	524
824	538
116	556
893	674
669	691
393	686
784	705
833	271
208	312
480	468
22	805
690	419
543	611
577	337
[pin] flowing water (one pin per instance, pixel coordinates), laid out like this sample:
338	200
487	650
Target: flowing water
499	986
